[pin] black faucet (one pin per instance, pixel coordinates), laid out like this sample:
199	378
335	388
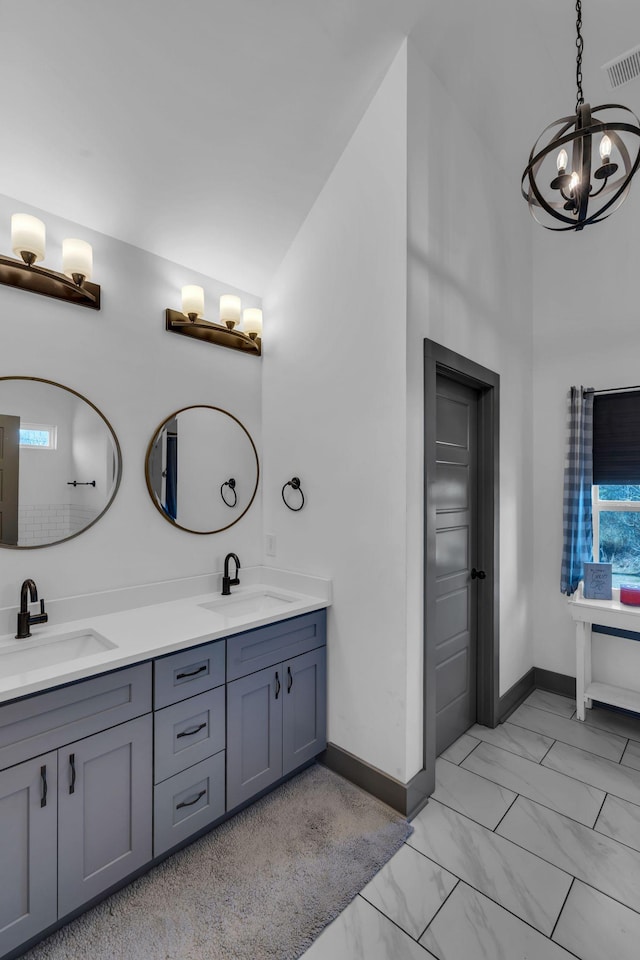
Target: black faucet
25	619
226	580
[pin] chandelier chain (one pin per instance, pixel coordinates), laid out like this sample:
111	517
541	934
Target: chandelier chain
580	48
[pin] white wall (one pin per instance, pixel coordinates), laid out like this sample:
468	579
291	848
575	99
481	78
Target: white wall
586	331
343	377
122	359
334	402
469	289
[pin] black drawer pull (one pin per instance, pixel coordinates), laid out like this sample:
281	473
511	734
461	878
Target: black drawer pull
72	764
190	803
191	733
194	673
43	795
277	685
289	680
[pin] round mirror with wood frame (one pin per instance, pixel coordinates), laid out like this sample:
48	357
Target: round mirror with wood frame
60	463
202	469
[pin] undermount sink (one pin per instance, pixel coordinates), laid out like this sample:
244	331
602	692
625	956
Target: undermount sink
254	604
24	655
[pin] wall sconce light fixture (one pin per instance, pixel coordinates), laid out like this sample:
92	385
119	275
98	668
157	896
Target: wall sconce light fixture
28	242
231	332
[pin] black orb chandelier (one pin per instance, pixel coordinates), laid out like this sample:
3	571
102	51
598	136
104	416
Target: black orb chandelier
589	185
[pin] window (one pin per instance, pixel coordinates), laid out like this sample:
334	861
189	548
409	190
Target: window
616	484
38	436
616	529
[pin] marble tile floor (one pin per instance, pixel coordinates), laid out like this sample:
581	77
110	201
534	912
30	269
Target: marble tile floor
529	849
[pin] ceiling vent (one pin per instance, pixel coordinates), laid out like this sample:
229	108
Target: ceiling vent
624	68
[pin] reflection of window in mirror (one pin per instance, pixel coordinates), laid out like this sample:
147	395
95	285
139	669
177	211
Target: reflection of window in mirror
38	436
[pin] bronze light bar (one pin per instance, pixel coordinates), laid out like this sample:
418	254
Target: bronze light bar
191	322
28	242
201	329
16	273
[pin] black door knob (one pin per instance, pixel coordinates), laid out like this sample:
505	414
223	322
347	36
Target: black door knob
478	574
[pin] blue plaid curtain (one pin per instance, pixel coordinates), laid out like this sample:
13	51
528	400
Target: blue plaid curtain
577	526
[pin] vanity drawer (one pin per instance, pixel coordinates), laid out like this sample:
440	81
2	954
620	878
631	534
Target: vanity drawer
188	672
187	732
188	802
46	721
256	649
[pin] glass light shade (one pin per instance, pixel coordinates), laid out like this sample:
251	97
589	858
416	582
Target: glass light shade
561	162
605	147
193	300
252	321
230	309
27	235
77	257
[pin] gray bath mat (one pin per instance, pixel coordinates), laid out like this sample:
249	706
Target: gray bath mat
259	887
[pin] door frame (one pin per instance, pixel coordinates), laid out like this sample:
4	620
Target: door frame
441	360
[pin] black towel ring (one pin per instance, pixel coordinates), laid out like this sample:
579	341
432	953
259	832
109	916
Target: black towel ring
295	484
232	486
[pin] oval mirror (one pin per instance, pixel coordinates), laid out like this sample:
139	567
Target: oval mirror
202	469
60	463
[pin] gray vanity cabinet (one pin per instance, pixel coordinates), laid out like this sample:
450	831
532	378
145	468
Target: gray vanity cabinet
276	716
189	743
104	810
254	731
96	781
75	797
304	709
28	850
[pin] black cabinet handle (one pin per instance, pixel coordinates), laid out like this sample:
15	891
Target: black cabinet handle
43	778
478	574
190	733
190	803
289	680
277	685
72	764
194	673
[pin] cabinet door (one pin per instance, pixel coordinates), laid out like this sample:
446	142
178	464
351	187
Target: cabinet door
104	816
254	733
28	818
304	710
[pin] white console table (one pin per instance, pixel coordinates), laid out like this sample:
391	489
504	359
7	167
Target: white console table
607	613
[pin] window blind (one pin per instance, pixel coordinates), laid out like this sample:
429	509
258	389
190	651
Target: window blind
616	438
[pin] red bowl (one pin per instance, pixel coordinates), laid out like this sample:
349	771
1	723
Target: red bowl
630	593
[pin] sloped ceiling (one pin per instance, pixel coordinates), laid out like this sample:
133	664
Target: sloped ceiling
203	130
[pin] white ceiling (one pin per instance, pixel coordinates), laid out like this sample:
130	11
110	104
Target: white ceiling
203	130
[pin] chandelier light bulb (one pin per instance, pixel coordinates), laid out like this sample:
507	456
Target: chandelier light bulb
561	162
605	149
574	182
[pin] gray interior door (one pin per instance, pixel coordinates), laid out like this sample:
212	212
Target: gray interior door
9	460
456	492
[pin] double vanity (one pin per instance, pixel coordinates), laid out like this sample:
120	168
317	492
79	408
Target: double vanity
125	735
133	720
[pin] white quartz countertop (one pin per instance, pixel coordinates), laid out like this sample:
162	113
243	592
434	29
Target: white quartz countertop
140	633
